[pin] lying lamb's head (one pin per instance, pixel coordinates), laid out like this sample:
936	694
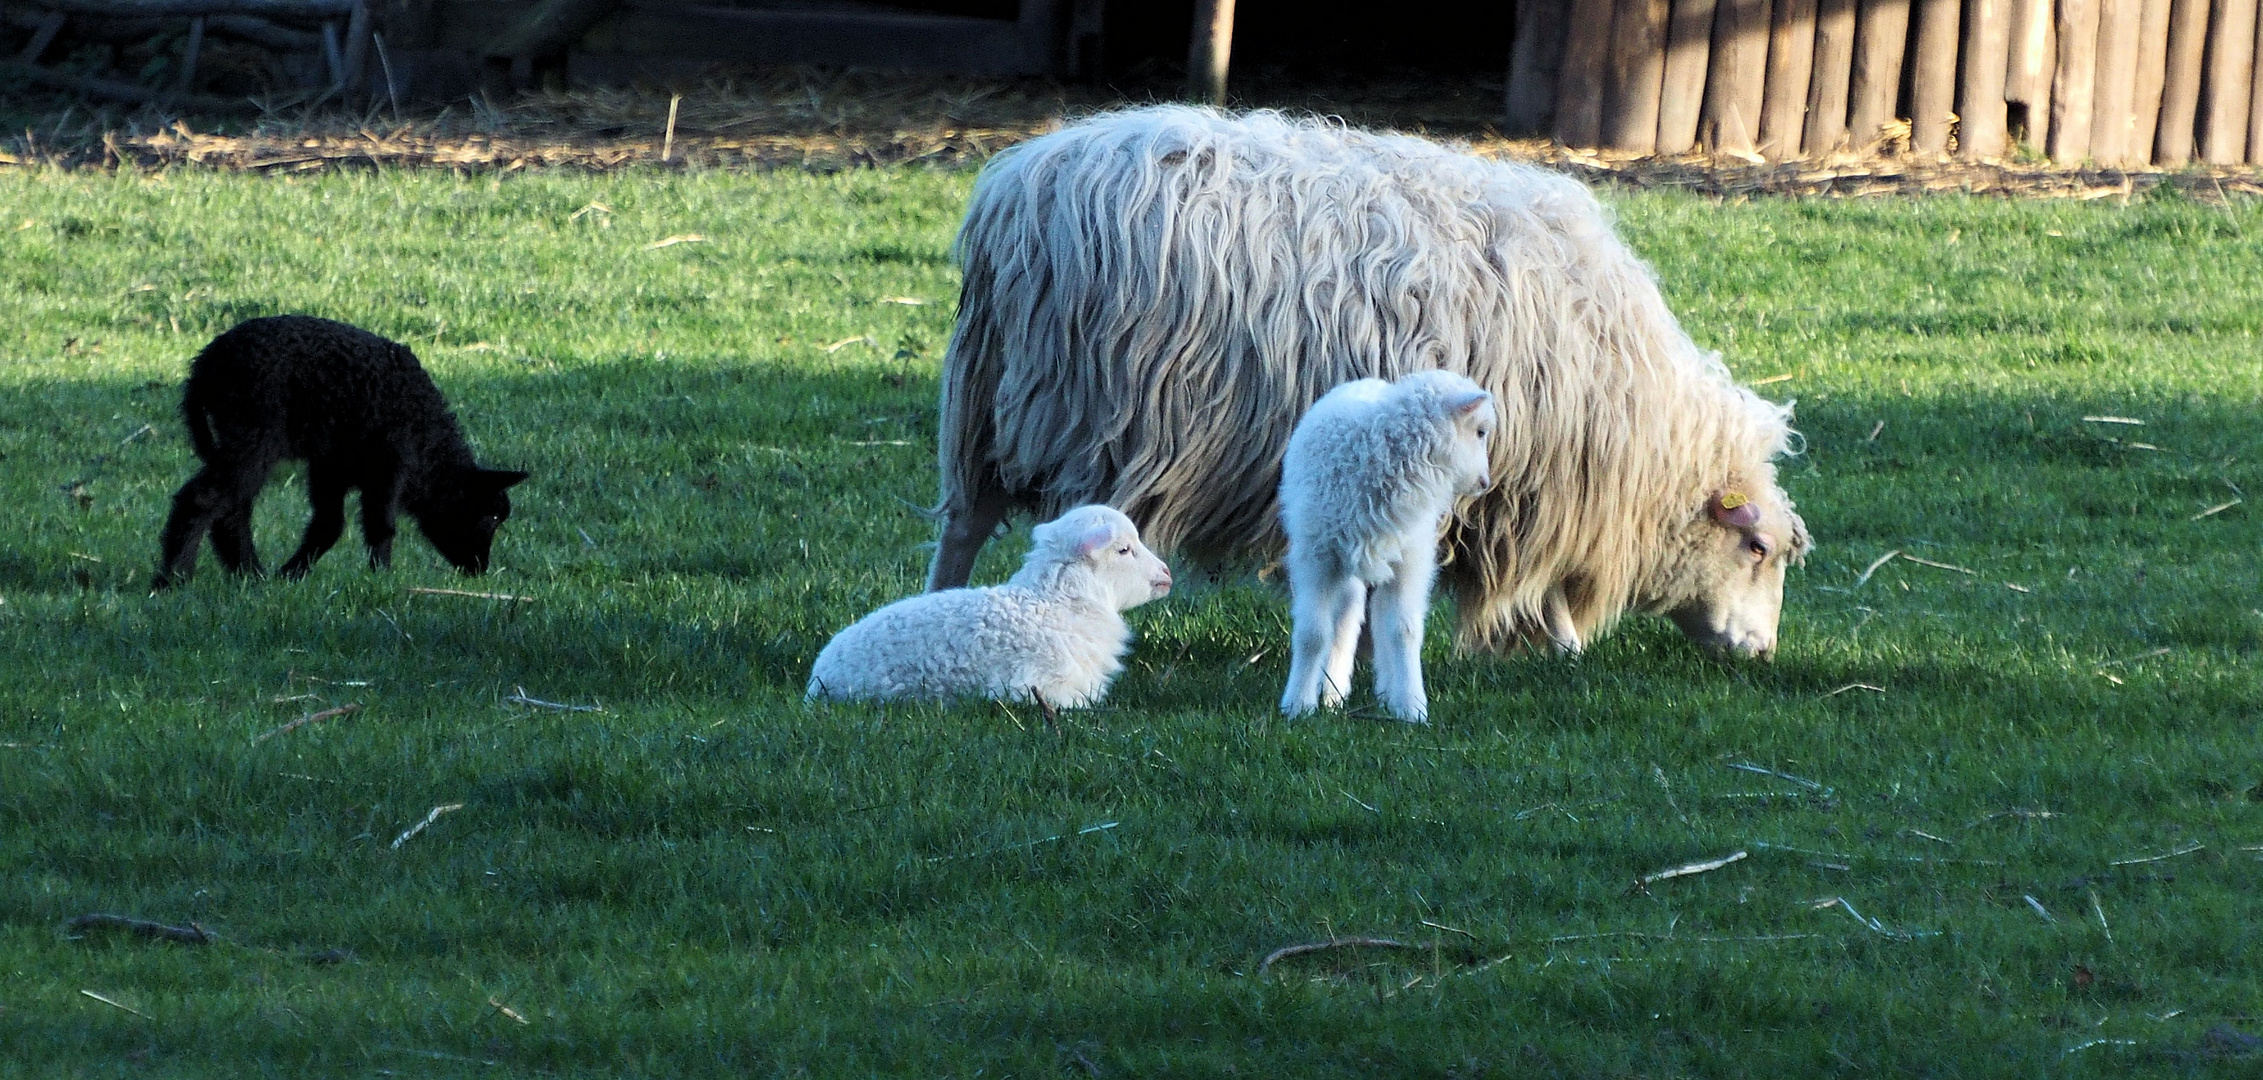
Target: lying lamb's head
1733	587
1103	540
460	512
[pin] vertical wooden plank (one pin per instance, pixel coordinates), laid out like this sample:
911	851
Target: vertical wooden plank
2180	86
2111	116
1637	68
2255	101
2031	58
1791	61
1210	50
1536	61
1828	86
1579	91
1933	78
189	52
2074	87
1881	35
2152	63
1689	42
1987	44
2231	71
1736	78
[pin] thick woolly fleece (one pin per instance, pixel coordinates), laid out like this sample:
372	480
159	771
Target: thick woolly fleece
1053	632
361	412
1370	474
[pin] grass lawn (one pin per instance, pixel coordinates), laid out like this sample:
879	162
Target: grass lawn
2002	802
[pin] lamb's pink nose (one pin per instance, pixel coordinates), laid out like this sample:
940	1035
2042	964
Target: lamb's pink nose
1162	584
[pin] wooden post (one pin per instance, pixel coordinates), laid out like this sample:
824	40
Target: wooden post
357	46
1736	77
189	51
2180	87
1210	47
2255	102
2110	111
1637	68
1791	63
1933	82
1579	93
1827	88
2074	87
2152	63
1987	44
1536	61
2231	71
1880	36
1689	40
2032	58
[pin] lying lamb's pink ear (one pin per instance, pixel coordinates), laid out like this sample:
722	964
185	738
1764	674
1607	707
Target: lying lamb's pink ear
1734	509
1467	403
1097	536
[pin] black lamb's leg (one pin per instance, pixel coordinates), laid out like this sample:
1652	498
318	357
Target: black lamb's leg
214	500
327	491
231	528
380	501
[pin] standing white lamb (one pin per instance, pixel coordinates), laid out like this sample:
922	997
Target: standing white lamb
1371	472
1054	632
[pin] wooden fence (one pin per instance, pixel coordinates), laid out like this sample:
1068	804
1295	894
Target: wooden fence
2117	82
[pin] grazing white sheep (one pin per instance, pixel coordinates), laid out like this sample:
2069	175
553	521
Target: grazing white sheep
1371	473
1053	633
1153	297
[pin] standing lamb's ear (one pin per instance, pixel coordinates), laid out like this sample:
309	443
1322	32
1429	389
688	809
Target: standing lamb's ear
1733	509
1468	402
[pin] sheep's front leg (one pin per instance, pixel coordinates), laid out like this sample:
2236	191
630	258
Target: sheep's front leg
328	495
964	533
1326	606
380	501
1400	606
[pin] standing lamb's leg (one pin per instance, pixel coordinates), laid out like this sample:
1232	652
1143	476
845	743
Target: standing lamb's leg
1400	605
1327	607
218	500
380	501
327	491
964	533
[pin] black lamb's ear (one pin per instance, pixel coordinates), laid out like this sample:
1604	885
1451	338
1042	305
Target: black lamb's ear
504	479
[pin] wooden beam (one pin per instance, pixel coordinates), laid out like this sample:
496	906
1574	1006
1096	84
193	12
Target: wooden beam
114	89
2180	87
302	11
2255	102
2152	63
1933	82
2112	116
1881	33
42	36
2032	58
1830	83
1536	62
1579	91
2074	86
1210	49
1987	44
658	31
1681	94
1791	64
1637	69
356	56
1736	77
2230	84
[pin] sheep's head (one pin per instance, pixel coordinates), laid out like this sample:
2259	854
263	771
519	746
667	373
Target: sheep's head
1105	542
460	514
1732	592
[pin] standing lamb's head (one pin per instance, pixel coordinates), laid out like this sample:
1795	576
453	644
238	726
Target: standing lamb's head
1102	545
1736	553
1465	410
459	511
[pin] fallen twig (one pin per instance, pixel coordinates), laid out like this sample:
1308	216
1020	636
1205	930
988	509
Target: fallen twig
2131	421
505	1009
1287	951
1101	827
425	824
1856	686
1939	565
1687	869
192	934
672	241
1800	780
115	1004
2216	509
2147	655
520	698
1874	925
473	595
1874	565
2038	907
2186	850
347	709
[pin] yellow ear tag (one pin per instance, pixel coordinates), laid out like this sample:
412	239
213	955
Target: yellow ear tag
1730	500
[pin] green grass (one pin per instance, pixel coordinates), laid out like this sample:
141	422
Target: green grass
708	879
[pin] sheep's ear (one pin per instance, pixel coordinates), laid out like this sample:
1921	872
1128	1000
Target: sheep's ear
1733	509
1468	401
1095	538
504	479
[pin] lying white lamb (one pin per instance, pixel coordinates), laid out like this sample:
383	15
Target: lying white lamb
1371	472
1053	632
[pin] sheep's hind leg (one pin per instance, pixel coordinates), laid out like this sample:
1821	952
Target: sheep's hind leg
1327	610
217	500
380	500
964	533
328	495
1400	606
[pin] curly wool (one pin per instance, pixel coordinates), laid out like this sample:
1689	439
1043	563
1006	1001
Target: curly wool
1053	631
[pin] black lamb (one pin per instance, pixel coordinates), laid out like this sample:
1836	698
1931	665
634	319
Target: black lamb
361	412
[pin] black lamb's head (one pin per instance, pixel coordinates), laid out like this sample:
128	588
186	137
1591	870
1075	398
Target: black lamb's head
461	513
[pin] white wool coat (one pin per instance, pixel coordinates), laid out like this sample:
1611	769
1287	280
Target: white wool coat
1054	631
1370	465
